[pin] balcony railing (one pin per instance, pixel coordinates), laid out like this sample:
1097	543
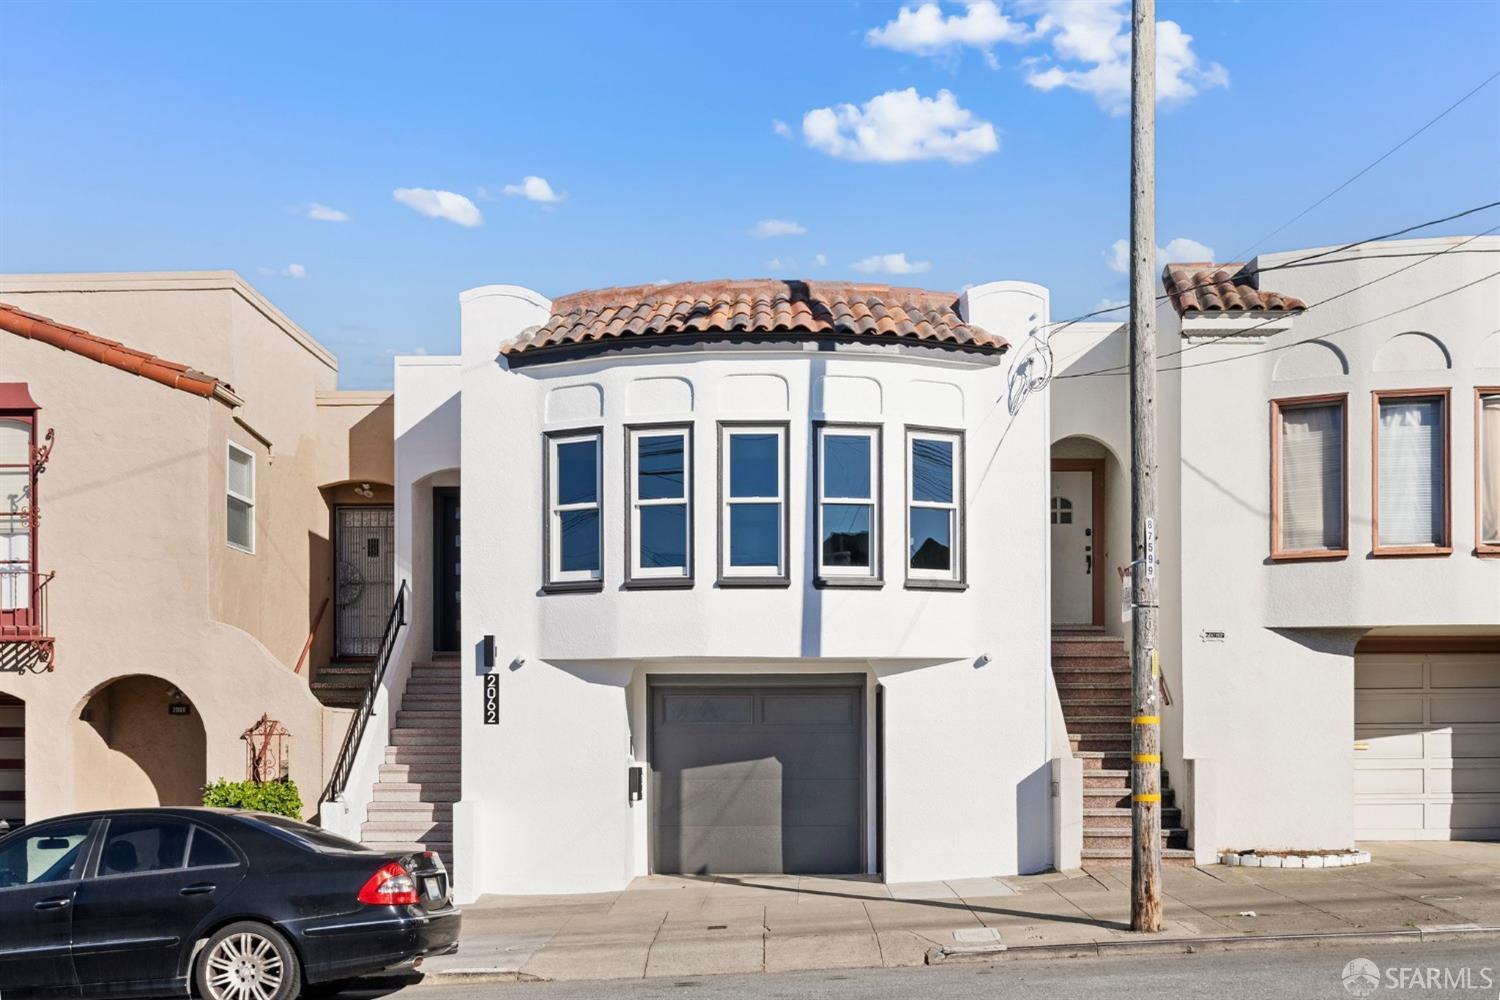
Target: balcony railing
26	639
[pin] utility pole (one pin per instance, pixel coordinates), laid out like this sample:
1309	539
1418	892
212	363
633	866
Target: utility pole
1145	743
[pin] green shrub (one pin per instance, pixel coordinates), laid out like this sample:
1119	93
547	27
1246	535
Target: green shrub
278	797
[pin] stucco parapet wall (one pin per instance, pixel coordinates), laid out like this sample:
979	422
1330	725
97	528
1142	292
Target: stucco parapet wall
354	397
169	281
527	295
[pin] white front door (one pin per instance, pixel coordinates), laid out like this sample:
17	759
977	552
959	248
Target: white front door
1427	746
1072	516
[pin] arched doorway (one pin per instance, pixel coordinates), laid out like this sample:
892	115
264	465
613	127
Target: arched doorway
1088	512
139	742
12	762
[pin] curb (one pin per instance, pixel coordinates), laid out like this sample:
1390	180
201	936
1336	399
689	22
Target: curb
1189	946
483	975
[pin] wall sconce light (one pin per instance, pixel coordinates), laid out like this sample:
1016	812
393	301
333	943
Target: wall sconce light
488	655
981	660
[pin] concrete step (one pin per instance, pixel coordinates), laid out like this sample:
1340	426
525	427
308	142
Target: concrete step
411	812
444	849
417	832
340	697
1119	798
423	755
435	687
1100	779
422	736
1078	696
416	791
444	718
424	702
1085	661
1095	741
1107	760
344	680
1117	818
1100	838
1091	684
1100	725
1171	857
422	771
1088	645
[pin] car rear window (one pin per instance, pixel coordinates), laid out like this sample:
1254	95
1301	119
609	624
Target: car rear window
305	834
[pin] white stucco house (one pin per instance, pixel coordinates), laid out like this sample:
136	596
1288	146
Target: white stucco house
775	576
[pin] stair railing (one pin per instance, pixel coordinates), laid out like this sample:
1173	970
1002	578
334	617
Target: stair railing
394	622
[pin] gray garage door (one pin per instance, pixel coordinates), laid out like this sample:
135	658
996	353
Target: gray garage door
757	779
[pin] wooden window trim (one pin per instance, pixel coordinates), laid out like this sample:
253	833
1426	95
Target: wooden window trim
1100	525
1279	554
1488	550
1408	551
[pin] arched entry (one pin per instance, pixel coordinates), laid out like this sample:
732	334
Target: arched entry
138	741
12	762
1090	532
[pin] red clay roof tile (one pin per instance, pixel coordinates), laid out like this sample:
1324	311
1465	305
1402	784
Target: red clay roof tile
1218	288
107	352
738	308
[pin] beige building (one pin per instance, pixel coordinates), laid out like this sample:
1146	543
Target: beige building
181	553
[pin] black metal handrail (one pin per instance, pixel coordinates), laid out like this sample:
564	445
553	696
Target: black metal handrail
345	763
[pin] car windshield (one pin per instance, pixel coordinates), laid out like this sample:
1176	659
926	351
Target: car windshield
305	834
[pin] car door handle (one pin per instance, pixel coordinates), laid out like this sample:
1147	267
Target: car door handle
197	889
52	904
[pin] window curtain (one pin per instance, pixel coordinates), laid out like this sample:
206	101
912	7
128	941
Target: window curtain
1411	472
1312	478
1489	468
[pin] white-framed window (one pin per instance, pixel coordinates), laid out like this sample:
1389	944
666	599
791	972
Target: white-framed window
660	484
1487	437
934	507
239	489
1309	470
575	527
753	514
1411	515
848	503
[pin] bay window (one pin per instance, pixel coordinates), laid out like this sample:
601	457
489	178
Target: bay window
17	481
753	510
1411	473
848	505
574	531
1309	468
239	489
1487	468
659	478
934	516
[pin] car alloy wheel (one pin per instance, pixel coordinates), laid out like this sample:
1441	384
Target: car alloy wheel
244	965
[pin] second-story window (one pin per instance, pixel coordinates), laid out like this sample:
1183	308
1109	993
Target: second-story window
17	481
848	507
1488	499
660	484
935	523
1308	470
239	487
753	486
1411	473
574	524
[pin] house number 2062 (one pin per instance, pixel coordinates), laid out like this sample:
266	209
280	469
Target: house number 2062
491	699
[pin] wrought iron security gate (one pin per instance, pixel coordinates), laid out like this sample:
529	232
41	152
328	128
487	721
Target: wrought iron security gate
364	581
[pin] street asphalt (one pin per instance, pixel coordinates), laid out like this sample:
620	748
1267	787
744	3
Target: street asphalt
1458	969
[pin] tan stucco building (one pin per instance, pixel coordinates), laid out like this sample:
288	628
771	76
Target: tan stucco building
170	574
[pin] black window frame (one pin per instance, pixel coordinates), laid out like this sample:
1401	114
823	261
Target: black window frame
958	579
875	578
550	439
723	430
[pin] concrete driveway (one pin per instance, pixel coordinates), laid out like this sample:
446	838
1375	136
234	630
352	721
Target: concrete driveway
687	926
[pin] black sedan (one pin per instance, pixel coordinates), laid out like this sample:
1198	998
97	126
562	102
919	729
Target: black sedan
240	905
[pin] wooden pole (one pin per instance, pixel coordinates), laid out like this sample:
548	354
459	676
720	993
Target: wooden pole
1145	765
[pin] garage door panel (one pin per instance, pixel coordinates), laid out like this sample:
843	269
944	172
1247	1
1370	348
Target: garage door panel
1473	706
1483	779
1389	780
1397	671
757	780
1464	743
1388	815
1386	744
1387	709
1466	672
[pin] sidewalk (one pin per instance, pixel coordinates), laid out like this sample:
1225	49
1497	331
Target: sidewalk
688	926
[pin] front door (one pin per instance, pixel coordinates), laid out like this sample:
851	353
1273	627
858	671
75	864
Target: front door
445	569
365	588
1074	552
39	871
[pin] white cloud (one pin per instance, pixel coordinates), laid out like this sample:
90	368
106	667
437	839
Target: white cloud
781	128
1095	39
766	228
290	271
1110	305
820	260
891	263
534	189
901	125
925	31
1178	251
777	264
322	213
440	205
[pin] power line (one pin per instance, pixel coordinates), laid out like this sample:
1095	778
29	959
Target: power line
1422	259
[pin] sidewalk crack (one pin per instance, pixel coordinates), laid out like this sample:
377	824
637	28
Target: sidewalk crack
652	946
879	948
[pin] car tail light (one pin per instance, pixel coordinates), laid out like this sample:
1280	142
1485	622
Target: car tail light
391	885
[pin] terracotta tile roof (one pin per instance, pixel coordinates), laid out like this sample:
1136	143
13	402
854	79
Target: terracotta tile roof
109	352
738	309
1220	288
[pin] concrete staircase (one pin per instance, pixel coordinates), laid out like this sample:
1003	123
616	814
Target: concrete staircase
412	803
342	683
1092	671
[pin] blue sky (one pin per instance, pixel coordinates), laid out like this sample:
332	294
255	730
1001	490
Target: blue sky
181	136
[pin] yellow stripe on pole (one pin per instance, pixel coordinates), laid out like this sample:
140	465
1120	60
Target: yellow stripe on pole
1147	758
1147	797
1148	720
